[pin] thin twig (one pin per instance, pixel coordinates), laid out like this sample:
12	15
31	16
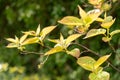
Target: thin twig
27	52
97	55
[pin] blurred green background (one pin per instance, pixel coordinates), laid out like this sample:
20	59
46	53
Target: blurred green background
24	15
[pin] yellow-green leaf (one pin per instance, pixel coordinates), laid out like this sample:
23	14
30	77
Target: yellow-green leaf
93	15
99	19
38	30
72	38
100	61
12	45
30	41
54	40
23	38
94	32
71	21
46	31
75	52
82	13
54	50
114	32
106	39
99	76
61	38
107	25
86	62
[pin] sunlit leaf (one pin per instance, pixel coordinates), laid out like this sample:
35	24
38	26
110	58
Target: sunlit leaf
72	38
54	40
75	52
93	15
61	38
46	31
23	38
71	20
12	45
11	40
86	62
32	33
30	41
114	32
82	13
94	32
54	50
99	19
100	61
38	30
107	25
106	39
99	76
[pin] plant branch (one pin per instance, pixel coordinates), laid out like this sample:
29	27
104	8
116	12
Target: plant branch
97	54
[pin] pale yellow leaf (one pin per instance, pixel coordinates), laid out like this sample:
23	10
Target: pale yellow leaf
32	33
99	19
71	21
75	52
11	40
107	25
46	31
38	30
54	40
103	75
23	38
72	38
114	32
86	62
82	13
61	37
94	32
12	45
100	61
54	50
30	41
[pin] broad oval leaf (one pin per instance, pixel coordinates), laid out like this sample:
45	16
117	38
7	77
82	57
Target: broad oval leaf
86	62
94	32
54	50
71	21
100	61
46	31
103	75
114	32
30	41
72	38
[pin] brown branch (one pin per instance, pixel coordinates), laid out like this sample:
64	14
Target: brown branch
97	54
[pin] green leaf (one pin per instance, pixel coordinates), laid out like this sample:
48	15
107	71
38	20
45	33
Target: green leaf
71	21
72	38
86	62
75	52
94	32
54	50
114	32
99	76
100	61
